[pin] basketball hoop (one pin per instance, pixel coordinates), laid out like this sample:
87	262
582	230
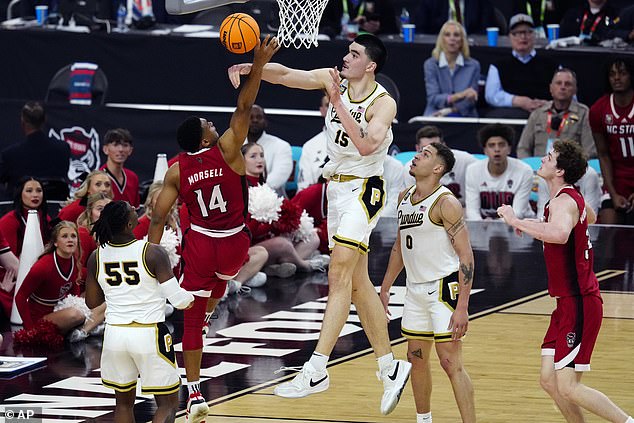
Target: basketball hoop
299	22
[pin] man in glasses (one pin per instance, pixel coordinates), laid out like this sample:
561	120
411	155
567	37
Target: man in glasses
518	84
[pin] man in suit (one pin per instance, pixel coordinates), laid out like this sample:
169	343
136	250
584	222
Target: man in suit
474	15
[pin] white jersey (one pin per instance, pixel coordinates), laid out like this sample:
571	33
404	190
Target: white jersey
454	180
425	245
131	290
344	158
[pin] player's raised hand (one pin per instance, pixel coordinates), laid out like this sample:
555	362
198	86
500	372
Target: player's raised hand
334	88
265	50
236	71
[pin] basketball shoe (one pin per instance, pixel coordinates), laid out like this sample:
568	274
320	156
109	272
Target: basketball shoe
308	381
197	408
394	379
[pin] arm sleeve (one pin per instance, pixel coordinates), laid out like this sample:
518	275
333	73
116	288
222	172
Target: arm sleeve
472	201
494	93
282	166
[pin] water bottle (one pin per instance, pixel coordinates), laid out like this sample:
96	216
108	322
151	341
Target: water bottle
404	17
121	14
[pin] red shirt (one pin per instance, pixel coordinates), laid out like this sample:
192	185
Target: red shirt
313	200
215	196
616	124
50	280
72	211
128	190
569	265
13	228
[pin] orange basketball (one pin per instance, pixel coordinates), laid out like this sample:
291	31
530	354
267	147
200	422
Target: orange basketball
239	33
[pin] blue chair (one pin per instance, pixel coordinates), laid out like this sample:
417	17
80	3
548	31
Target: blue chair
594	164
291	184
405	156
479	156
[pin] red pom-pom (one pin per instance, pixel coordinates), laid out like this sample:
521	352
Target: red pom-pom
43	334
288	222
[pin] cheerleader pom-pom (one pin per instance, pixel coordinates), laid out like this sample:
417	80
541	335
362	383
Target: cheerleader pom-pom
306	228
289	219
79	303
264	204
170	242
44	334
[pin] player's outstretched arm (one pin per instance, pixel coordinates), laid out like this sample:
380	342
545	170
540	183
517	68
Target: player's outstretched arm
452	217
380	115
166	199
276	73
94	293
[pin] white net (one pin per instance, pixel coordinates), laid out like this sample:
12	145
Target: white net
299	22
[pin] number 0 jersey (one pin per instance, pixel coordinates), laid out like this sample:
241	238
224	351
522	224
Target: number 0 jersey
417	230
215	195
344	158
131	290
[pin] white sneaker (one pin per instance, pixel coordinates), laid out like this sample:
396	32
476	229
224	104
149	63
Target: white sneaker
320	263
197	408
394	380
308	381
256	281
282	270
77	335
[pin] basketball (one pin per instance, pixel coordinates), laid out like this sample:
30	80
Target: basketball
239	33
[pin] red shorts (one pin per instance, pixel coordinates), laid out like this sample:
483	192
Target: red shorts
574	327
209	262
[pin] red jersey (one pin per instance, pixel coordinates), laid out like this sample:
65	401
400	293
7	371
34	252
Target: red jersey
313	200
128	190
569	265
616	124
13	227
215	195
72	211
50	280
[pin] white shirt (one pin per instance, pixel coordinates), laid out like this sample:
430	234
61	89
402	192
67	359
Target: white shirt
279	161
454	180
485	192
394	184
312	159
344	157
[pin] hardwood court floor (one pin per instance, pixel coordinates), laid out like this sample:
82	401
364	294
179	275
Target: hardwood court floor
502	357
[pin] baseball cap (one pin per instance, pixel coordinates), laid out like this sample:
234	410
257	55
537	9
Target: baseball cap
521	18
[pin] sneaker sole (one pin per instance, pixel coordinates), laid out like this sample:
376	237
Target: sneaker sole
394	403
197	417
315	390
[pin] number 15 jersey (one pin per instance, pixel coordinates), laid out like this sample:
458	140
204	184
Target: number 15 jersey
131	290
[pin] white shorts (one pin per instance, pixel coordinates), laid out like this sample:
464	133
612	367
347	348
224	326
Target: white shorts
354	208
135	349
428	309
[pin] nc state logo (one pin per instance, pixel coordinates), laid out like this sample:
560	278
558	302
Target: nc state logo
570	339
84	151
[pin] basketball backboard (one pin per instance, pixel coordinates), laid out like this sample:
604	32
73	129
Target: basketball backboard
181	7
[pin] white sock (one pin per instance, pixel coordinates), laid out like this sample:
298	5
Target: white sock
385	361
423	418
193	387
629	420
318	361
208	317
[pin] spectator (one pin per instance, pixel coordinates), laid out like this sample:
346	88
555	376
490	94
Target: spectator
314	200
560	118
516	85
612	122
454	180
376	17
498	179
97	181
544	12
280	246
38	156
451	75
279	164
117	146
44	294
474	15
394	184
626	22
311	163
595	21
143	227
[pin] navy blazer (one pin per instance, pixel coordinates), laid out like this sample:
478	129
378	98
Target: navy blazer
439	84
432	14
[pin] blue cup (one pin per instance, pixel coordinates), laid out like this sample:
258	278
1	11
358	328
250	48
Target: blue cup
553	32
492	36
408	32
41	14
